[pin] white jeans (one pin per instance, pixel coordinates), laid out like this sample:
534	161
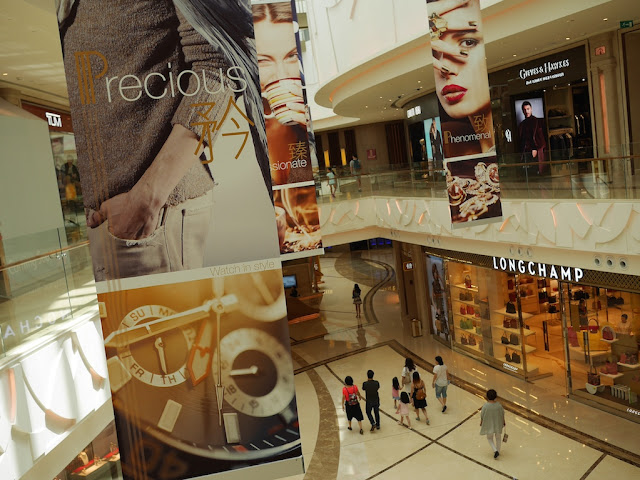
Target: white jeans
498	441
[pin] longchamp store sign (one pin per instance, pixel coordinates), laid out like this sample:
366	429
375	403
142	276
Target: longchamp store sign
566	274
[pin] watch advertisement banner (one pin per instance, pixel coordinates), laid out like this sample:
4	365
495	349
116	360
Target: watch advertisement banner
176	184
288	126
462	89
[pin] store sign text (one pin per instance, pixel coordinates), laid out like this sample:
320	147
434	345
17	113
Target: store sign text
569	274
544	71
53	119
633	410
510	367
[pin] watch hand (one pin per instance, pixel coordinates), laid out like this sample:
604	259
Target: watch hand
253	370
199	363
163	361
127	336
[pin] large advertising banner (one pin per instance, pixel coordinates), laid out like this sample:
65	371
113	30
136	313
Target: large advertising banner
288	128
462	88
176	183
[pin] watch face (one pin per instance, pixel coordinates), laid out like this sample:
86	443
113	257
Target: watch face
197	371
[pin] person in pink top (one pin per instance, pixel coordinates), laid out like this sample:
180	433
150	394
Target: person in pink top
403	409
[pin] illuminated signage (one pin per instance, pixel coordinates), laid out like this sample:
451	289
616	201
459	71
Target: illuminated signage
412	112
569	274
509	367
53	119
406	266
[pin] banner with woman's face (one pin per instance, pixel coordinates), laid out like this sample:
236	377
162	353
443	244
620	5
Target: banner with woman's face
462	88
288	128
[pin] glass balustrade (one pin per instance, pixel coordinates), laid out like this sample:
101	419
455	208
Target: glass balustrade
46	281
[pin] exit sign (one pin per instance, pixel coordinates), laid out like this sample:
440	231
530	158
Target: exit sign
626	24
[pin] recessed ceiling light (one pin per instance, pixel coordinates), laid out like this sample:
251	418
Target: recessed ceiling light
419	81
5	74
605	19
515	55
567	38
380	97
366	106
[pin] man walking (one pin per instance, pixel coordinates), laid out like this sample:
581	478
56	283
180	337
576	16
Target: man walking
371	388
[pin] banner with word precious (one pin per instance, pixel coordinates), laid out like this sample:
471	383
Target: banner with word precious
172	152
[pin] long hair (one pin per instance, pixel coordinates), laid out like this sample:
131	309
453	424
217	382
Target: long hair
228	25
409	364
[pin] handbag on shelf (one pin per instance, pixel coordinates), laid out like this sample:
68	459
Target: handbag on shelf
513	339
479	329
510	308
513	323
515	358
470	310
611	301
632	359
624	359
472	340
462	296
610	368
512	296
504	339
594	328
467	281
463	309
553	309
523	292
506	323
608	333
620	300
507	356
464	340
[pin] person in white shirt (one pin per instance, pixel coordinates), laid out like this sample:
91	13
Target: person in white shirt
441	382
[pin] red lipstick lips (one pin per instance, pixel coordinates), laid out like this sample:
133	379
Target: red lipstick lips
453	93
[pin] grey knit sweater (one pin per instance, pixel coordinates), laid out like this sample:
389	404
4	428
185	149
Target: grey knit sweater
117	139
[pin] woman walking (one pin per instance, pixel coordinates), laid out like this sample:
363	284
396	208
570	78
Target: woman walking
441	382
351	402
331	178
407	375
419	396
357	301
492	421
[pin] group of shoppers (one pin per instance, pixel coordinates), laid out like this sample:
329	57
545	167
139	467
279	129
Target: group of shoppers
411	392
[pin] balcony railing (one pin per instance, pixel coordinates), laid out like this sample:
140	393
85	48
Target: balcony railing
613	177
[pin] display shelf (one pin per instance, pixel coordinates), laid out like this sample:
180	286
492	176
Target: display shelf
464	287
528	348
634	366
617	375
596	355
469	317
473	332
466	302
504	312
527	333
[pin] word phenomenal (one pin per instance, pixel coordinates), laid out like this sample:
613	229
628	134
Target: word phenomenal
569	274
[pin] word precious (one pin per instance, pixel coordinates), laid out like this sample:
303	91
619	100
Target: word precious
569	274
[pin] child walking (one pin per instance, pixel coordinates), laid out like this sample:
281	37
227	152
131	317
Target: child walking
395	391
403	409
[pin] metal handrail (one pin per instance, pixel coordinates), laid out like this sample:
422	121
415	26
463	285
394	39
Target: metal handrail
42	255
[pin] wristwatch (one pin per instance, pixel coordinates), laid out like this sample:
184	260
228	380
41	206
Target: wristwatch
214	381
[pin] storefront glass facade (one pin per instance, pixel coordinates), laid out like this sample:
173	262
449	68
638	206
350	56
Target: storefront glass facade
577	336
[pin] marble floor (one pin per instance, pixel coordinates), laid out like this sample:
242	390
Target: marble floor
549	435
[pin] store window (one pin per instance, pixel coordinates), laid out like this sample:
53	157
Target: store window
543	105
512	322
603	331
